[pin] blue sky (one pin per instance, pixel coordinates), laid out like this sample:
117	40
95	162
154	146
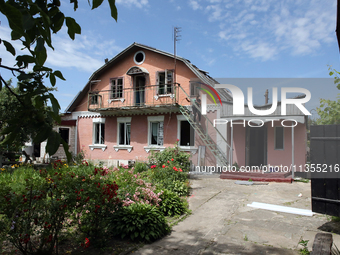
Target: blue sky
227	38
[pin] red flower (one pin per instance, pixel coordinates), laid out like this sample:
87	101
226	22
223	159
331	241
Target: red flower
180	170
177	140
172	159
168	161
163	166
87	242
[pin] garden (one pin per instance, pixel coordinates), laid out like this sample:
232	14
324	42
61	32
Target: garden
82	206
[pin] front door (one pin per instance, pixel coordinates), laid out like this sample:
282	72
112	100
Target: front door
256	146
139	90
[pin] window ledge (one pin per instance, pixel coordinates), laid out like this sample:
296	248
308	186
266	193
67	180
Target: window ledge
116	99
98	146
192	149
123	147
153	148
164	95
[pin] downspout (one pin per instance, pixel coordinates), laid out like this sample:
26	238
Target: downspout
76	139
293	168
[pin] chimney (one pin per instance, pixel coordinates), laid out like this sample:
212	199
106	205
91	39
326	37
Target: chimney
266	97
106	60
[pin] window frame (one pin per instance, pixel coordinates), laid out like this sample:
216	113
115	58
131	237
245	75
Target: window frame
125	121
167	91
98	123
275	138
154	119
119	93
190	148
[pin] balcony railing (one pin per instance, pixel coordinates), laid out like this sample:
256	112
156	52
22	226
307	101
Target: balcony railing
149	96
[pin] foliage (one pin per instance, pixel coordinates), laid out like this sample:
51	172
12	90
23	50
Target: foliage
170	177
9	107
32	23
36	205
140	167
79	158
140	222
178	157
329	110
304	250
171	204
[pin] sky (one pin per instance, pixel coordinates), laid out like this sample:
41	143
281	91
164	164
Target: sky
227	38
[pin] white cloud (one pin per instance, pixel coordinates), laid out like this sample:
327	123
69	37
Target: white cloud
131	3
265	29
195	5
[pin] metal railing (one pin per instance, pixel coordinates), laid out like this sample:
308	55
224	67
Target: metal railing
148	96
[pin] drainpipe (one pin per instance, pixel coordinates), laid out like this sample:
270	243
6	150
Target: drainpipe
293	168
76	139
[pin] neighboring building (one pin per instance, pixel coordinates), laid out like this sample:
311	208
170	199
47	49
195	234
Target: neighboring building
141	100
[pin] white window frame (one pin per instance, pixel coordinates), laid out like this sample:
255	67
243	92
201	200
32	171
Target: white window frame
166	94
283	138
153	119
123	146
93	146
191	149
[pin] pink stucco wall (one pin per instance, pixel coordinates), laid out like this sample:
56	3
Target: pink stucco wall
274	157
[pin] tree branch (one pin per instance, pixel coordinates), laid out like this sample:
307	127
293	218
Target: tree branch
12	69
11	91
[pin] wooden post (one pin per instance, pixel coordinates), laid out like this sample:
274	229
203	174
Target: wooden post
322	244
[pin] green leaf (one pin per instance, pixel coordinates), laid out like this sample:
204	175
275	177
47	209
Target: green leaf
41	57
73	27
9	47
96	3
42	135
55	104
52	79
14	17
59	75
114	13
57	22
53	143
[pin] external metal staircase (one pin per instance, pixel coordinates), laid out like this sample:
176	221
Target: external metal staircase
203	132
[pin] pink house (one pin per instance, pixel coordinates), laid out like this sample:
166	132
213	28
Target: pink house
143	100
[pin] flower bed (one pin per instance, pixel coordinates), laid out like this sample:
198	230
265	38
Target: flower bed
41	208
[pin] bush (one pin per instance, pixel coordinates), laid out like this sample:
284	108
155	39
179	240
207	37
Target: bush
172	204
179	158
140	167
141	222
37	204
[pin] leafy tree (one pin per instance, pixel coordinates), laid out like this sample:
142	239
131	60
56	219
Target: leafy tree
329	110
32	22
30	121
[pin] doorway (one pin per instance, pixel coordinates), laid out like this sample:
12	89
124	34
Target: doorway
256	146
139	90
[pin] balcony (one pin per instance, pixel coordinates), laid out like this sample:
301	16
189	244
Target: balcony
148	100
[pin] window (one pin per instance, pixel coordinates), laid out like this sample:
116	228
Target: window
186	134
64	133
194	88
124	130
99	132
123	134
155	135
116	88
279	141
165	82
139	57
93	99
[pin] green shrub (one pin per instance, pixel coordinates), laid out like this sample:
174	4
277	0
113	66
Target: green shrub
174	154
141	222
172	204
140	167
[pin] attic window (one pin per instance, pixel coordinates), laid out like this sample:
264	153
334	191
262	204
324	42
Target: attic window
139	57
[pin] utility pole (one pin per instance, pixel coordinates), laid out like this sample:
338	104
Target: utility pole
177	37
